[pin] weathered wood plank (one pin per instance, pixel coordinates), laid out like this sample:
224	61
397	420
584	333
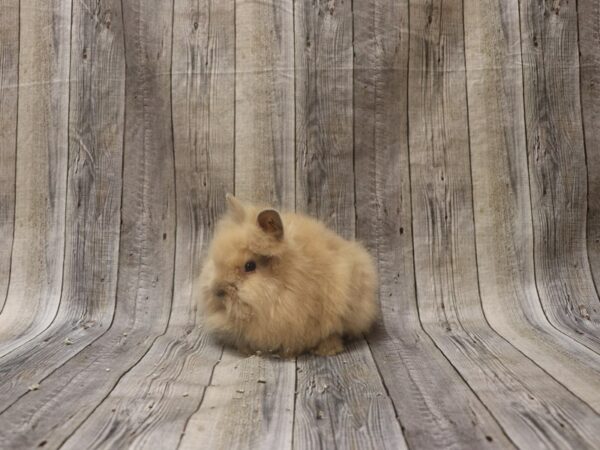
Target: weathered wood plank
249	404
145	283
341	401
439	159
9	79
434	405
324	142
95	165
589	68
557	169
466	387
264	100
529	405
39	233
502	205
154	400
262	415
93	215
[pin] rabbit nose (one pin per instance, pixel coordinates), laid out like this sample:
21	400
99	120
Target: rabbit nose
222	289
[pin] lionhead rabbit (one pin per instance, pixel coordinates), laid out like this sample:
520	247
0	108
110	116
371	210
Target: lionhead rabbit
284	283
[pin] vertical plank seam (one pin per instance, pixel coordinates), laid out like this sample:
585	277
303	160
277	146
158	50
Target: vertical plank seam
527	161
18	87
234	91
535	280
123	139
423	329
62	282
477	260
295	119
120	210
174	184
473	201
412	234
201	398
174	173
587	178
464	39
62	276
295	207
475	243
587	169
119	240
353	125
162	334
119	253
365	338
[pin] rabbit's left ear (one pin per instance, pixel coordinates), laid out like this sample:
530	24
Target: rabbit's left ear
270	222
235	208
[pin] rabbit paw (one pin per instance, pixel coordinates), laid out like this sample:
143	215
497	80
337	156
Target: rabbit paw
329	346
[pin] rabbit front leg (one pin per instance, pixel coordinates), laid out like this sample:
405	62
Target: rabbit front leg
329	346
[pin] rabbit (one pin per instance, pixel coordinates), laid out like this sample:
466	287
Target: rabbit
285	284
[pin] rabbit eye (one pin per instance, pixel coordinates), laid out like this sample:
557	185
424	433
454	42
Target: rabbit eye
250	266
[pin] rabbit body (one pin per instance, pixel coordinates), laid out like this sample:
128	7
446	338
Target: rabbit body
285	283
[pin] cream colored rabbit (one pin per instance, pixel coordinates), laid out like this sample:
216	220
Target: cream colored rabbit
284	283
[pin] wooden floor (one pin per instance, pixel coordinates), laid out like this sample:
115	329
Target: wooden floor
460	140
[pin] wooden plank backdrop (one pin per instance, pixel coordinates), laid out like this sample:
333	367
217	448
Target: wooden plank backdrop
457	139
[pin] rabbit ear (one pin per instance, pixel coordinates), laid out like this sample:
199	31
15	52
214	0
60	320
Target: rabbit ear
270	221
235	208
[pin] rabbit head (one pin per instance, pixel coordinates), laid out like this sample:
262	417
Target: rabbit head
242	273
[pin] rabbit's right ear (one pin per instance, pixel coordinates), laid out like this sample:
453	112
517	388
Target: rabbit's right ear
270	222
235	208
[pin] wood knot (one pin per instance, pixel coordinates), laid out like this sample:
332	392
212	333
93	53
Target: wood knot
107	19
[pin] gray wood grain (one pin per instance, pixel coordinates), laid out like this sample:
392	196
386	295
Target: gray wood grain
324	115
9	81
457	139
153	401
502	206
264	100
416	374
237	411
557	168
445	268
342	403
42	143
589	68
93	215
529	405
248	404
145	284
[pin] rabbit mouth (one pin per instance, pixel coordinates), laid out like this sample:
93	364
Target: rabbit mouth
234	304
224	291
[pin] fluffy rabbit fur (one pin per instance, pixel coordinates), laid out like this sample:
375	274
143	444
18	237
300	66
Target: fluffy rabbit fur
285	283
